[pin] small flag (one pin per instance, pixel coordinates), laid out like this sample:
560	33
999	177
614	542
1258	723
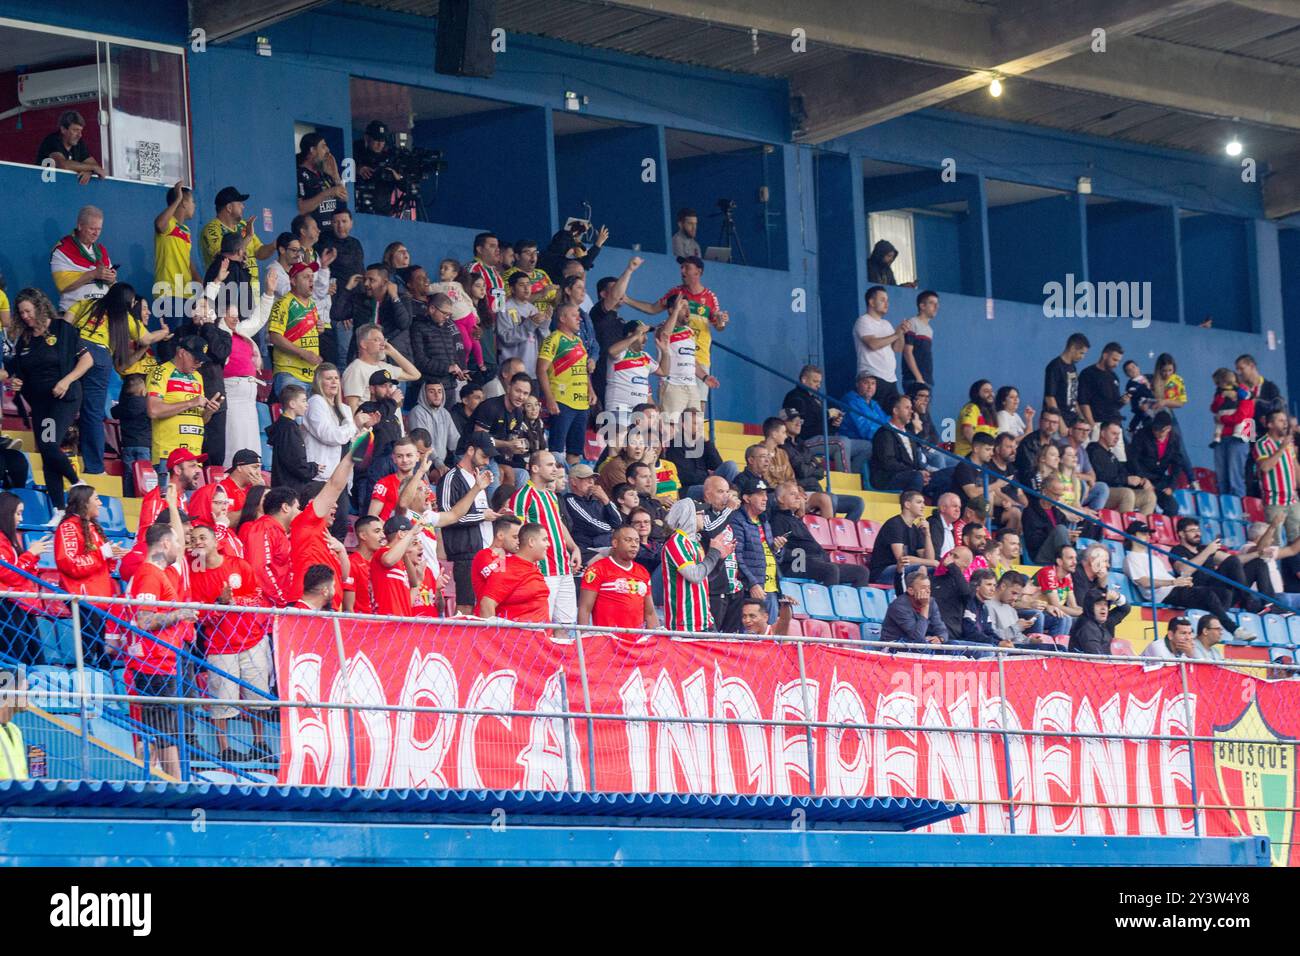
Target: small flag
363	450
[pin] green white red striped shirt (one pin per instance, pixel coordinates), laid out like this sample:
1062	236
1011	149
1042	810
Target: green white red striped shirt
686	604
541	507
1276	484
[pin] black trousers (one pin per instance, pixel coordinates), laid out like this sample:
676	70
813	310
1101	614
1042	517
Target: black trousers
19	638
1230	567
726	612
830	573
50	420
1203	599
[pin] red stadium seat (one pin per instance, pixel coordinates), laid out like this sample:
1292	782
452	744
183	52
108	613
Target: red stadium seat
1110	516
1162	530
820	529
146	479
844	631
1254	508
796	628
867	531
815	628
594	446
840	557
1206	480
214	473
845	533
1121	648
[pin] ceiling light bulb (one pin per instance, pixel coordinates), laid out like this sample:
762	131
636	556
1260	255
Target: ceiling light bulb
995	88
1234	147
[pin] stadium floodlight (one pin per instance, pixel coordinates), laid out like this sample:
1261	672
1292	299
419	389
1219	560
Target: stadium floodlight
1234	147
995	88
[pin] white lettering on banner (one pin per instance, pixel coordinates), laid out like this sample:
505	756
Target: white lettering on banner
689	743
734	700
306	727
364	687
1018	787
1053	764
1140	720
633	696
495	692
790	744
1103	772
546	766
430	682
895	766
951	767
1173	763
846	777
992	818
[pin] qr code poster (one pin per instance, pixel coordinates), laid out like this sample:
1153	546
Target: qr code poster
148	161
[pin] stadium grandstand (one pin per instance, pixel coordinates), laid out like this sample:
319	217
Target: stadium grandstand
440	425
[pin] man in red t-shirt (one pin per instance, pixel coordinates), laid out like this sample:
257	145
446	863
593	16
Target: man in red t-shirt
1057	584
370	538
616	590
505	540
236	642
154	660
310	541
186	471
392	571
245	472
383	499
518	592
266	545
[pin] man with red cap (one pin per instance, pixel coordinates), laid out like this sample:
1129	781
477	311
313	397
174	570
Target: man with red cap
186	469
294	331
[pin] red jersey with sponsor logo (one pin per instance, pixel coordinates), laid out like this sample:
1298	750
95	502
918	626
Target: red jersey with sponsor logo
150	656
620	593
519	590
233	632
486	563
391	586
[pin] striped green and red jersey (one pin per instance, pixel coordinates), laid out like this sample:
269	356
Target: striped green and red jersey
686	605
542	507
1277	484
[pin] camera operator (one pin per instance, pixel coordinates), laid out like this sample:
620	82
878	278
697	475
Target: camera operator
566	245
375	177
320	187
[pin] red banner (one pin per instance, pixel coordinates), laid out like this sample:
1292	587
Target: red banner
1059	784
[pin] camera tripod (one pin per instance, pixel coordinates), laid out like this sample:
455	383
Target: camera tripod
730	238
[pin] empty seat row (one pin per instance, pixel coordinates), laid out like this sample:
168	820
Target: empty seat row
840	602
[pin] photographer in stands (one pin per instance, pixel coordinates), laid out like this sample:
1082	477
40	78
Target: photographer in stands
374	180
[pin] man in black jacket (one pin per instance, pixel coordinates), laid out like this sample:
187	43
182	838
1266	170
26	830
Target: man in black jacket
803	557
696	457
384	401
216	340
805	400
588	512
371	297
473	532
437	348
289	465
895	464
1049	427
1157	455
503	419
1128	492
1047	528
726	593
1091	573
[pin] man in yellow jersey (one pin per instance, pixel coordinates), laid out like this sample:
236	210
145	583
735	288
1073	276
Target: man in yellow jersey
13	754
562	373
173	259
230	221
176	404
294	331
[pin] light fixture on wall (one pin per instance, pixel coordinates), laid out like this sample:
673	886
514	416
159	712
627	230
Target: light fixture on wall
995	88
263	46
1233	148
571	101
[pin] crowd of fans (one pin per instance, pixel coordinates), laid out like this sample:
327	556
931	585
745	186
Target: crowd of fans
429	435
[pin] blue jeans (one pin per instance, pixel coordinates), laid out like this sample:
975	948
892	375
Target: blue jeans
1230	456
94	393
568	431
1096	496
130	455
343	341
851	505
280	381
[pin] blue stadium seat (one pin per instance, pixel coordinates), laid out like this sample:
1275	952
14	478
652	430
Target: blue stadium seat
817	599
1251	622
1234	535
1230	508
875	602
1186	501
1194	615
1116	549
1275	629
1207	505
112	516
847	605
794	591
1210	529
1120	582
36	505
1293	630
870	631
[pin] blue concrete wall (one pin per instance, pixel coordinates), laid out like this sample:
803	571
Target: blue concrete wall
938	250
1139	243
1033	243
700	181
606	169
159	21
1289	257
1216	272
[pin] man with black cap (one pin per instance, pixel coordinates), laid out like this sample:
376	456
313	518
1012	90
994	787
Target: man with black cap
320	187
758	551
177	404
245	472
472	533
370	153
385	401
205	326
230	221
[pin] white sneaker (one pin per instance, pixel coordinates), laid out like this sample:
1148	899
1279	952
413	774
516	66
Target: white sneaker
58	516
1245	634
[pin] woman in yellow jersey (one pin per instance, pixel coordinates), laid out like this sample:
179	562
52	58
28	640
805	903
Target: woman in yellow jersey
114	330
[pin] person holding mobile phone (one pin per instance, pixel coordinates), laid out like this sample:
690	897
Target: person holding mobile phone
1195	555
